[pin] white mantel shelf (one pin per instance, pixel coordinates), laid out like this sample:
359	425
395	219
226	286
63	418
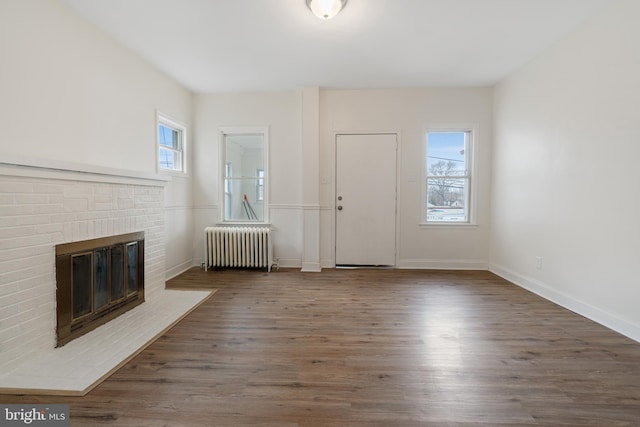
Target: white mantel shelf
16	165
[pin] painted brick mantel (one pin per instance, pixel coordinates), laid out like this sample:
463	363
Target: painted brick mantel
48	208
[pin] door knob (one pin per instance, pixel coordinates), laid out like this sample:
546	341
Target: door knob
339	208
339	197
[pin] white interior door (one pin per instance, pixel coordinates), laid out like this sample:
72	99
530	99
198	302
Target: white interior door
366	199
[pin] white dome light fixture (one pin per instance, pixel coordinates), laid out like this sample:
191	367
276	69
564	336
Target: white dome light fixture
326	9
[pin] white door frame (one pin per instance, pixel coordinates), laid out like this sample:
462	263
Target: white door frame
333	205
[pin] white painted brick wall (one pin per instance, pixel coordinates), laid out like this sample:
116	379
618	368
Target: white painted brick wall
36	214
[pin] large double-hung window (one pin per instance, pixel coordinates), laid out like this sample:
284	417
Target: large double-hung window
448	166
244	153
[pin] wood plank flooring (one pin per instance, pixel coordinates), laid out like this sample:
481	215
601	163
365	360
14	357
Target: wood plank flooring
370	348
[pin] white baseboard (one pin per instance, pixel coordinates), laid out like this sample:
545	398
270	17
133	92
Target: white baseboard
422	264
327	263
442	264
289	263
178	269
311	267
569	302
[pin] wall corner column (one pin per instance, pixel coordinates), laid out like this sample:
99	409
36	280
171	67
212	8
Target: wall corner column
311	179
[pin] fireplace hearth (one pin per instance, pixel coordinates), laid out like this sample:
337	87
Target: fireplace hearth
96	281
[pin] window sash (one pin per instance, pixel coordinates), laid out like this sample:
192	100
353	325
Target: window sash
175	139
176	157
449	211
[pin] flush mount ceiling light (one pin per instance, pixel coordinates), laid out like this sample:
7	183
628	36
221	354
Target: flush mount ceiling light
326	9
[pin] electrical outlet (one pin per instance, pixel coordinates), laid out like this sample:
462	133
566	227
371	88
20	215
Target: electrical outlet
539	263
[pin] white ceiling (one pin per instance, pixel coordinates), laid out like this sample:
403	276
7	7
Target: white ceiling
264	45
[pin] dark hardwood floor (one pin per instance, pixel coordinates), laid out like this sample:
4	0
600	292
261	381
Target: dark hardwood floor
370	348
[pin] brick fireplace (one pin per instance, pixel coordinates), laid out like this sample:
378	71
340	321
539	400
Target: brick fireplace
44	207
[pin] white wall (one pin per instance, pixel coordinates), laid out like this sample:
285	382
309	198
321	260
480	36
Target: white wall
71	96
70	93
565	171
77	161
178	214
408	112
281	112
405	111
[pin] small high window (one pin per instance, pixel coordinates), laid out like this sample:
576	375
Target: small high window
448	176
171	145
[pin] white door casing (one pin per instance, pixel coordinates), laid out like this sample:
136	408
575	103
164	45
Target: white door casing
366	199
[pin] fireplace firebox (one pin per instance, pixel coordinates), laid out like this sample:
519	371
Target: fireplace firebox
96	281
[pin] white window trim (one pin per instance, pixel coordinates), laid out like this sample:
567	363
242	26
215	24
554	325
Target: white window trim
473	190
163	119
243	130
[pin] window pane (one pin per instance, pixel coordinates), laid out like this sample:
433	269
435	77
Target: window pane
447	199
169	159
170	137
242	204
446	154
244	155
